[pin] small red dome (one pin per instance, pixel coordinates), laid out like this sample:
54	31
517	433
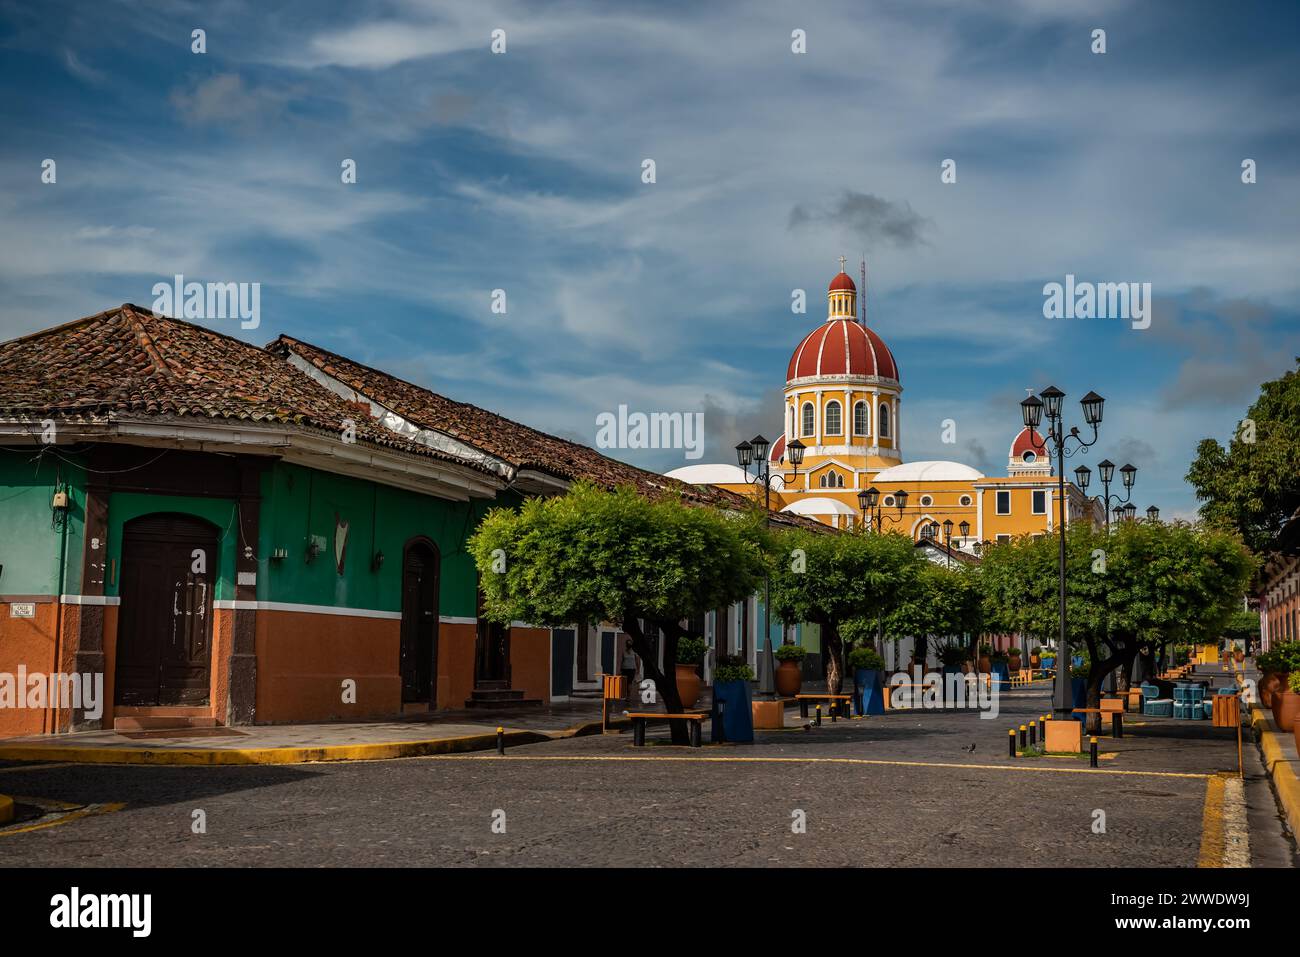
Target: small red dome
778	448
842	281
842	347
1027	441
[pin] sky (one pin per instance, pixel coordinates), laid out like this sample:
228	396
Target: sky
522	171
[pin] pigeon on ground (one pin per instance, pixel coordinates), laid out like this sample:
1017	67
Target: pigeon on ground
971	749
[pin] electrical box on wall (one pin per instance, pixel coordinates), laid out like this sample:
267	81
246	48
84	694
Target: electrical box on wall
60	500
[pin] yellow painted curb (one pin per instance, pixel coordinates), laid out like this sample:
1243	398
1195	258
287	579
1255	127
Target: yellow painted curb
1279	768
6	809
244	756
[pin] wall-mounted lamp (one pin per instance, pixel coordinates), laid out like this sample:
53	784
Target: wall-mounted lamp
279	554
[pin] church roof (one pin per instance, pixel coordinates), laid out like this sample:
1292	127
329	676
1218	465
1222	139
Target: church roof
935	471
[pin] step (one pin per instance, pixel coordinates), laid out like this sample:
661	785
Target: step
502	694
162	722
520	702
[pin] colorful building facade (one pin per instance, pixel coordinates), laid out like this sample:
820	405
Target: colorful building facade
843	401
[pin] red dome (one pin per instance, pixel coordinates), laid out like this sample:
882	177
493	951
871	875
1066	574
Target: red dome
1027	441
842	347
842	281
778	448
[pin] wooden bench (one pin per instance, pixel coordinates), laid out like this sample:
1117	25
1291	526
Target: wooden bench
842	700
639	719
1116	718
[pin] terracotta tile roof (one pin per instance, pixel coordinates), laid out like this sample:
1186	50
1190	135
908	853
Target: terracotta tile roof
518	444
127	363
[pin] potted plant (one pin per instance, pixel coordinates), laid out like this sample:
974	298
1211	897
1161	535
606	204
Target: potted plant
789	674
1286	707
733	712
1274	665
868	680
690	655
953	657
1013	658
985	651
999	667
1035	656
1293	682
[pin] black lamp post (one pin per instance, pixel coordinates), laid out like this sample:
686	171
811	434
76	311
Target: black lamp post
754	452
1128	475
1059	440
873	513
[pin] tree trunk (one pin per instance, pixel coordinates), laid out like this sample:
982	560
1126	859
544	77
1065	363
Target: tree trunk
665	684
1097	672
834	657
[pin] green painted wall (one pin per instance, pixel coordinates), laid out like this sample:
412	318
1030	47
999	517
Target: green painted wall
300	503
124	506
30	545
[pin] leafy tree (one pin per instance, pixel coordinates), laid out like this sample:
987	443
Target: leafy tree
946	603
1144	586
831	579
594	555
1243	626
1253	485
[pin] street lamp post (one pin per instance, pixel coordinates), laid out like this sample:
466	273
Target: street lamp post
1128	474
1153	513
755	452
873	513
1058	441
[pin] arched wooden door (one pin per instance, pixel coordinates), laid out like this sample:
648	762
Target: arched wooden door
419	638
164	633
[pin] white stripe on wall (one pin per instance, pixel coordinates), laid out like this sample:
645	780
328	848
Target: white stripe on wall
90	599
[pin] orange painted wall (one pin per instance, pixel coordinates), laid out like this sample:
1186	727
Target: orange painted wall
455	664
303	659
530	662
28	642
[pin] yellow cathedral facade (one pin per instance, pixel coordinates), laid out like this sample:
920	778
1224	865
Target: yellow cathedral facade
843	411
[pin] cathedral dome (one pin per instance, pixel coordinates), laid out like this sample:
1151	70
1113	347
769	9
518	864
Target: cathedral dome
842	347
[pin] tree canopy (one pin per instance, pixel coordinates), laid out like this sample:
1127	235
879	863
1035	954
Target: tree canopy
593	555
1253	485
831	579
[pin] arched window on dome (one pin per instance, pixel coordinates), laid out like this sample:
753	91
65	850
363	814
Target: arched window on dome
861	423
1029	456
834	424
808	416
884	420
832	479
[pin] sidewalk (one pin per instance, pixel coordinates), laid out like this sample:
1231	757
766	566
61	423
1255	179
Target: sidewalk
411	736
1278	750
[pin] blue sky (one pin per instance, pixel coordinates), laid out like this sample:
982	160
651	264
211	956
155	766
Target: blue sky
522	171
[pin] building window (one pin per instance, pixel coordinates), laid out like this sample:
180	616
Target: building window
1004	503
926	501
833	424
832	479
883	419
965	500
889	501
790	419
1003	538
1029	457
808	415
860	416
1040	501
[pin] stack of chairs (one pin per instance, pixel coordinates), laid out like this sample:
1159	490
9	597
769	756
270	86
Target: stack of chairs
1189	701
1154	705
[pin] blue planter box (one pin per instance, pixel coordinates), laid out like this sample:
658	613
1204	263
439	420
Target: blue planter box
1001	673
868	691
736	721
1048	662
1079	695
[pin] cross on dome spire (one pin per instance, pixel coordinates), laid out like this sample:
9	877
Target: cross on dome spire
842	262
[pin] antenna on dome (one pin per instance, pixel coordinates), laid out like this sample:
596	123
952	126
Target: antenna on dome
862	296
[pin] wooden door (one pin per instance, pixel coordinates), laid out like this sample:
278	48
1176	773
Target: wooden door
164	636
419	636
